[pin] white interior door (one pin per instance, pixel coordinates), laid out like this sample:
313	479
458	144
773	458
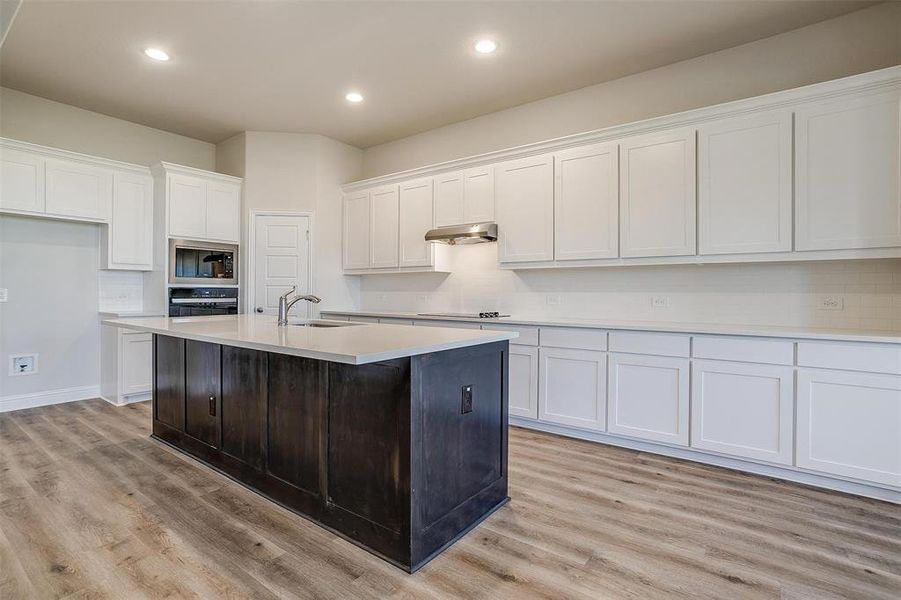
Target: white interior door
281	258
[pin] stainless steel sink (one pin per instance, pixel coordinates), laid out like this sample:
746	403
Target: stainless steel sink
322	323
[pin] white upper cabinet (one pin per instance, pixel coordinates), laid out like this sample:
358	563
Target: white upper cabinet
187	207
356	230
745	184
21	181
416	202
848	193
383	221
464	197
223	211
657	194
586	203
203	206
478	194
77	190
525	209
129	238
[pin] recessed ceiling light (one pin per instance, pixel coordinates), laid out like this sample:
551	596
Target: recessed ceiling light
354	97
485	46
156	54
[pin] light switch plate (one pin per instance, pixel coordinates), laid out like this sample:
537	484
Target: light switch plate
4	295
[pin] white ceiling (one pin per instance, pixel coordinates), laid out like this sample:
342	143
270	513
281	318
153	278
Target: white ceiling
285	66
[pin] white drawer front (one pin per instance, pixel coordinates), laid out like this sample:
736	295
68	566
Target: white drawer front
453	324
660	344
756	350
528	336
872	358
574	337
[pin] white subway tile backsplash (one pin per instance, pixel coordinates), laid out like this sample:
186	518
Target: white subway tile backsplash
753	294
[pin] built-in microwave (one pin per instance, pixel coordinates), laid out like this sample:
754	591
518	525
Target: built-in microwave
206	263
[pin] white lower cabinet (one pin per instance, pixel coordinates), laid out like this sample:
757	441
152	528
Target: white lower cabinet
126	365
743	409
523	376
849	424
649	397
572	389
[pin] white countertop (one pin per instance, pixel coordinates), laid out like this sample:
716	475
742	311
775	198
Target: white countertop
813	333
352	344
112	314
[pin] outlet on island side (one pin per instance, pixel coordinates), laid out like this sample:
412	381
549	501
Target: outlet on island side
467	399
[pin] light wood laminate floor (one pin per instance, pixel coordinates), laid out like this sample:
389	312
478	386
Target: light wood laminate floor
90	507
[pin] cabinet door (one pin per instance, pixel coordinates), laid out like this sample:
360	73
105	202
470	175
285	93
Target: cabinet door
478	195
525	209
743	409
745	184
383	231
21	181
77	190
649	397
203	380
223	211
415	219
523	381
849	424
572	388
449	199
169	381
131	223
657	194
187	207
586	203
356	230
137	362
243	404
847	189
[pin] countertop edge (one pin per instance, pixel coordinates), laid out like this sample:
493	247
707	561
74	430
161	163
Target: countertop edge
689	328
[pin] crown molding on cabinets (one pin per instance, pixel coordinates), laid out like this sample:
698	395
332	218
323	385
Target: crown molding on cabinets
883	79
48	152
167	167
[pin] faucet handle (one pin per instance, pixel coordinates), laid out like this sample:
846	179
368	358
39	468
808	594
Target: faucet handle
288	293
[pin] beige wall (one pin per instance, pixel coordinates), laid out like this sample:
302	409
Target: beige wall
41	121
862	41
299	172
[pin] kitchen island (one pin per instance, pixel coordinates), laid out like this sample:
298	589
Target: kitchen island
392	436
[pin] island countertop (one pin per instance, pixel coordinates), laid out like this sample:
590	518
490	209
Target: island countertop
355	344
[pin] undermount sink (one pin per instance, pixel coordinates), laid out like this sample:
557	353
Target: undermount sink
316	323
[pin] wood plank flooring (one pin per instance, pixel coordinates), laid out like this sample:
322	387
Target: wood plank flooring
90	507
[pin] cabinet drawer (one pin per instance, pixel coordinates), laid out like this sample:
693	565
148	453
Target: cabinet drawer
768	351
528	336
453	324
574	337
661	344
873	358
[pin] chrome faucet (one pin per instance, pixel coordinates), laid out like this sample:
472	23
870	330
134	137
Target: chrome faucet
284	305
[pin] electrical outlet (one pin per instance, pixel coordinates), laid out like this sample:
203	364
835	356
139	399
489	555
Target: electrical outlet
23	364
830	303
554	299
4	295
660	301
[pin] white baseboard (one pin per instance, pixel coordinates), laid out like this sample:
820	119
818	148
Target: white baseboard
125	400
20	401
788	473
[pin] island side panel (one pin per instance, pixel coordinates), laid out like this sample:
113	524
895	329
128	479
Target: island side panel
169	381
459	447
368	456
203	391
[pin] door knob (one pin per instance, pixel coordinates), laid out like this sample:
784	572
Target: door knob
259	309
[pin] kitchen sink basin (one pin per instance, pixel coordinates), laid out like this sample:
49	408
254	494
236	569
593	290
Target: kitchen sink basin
316	323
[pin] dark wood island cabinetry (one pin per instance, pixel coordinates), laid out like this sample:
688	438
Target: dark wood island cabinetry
401	456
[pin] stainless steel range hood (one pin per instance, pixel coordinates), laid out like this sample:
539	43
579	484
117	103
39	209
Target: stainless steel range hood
477	233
